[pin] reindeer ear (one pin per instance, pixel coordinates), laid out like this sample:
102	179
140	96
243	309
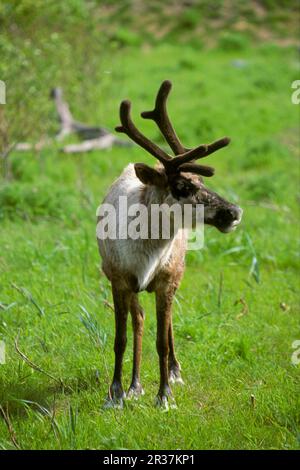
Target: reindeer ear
148	175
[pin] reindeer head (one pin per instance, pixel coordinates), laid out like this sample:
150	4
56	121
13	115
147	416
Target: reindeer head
179	177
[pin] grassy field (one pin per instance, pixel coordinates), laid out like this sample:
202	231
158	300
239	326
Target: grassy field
236	314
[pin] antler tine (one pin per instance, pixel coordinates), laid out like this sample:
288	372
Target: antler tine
197	169
129	128
160	116
200	152
217	145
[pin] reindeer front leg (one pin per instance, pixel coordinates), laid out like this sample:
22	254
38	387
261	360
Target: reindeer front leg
121	303
164	298
174	366
136	389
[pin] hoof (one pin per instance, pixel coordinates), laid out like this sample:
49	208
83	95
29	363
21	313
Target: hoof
115	397
165	401
175	376
116	403
135	391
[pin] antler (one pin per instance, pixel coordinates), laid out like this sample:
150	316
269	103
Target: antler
160	116
129	128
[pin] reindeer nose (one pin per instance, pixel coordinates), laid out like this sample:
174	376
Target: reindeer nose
236	213
229	217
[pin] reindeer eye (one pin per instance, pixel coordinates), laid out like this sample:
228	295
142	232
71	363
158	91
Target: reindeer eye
181	189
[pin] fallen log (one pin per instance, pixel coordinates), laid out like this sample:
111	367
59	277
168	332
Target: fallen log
94	137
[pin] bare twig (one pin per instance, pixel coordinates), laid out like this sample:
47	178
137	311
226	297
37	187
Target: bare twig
6	146
12	434
109	305
105	142
100	143
245	308
29	297
34	366
220	291
25	146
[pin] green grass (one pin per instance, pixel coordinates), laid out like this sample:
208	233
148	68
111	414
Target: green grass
236	314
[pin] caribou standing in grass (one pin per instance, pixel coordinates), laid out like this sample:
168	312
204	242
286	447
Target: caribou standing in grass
155	265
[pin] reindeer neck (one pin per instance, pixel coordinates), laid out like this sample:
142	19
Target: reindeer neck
152	195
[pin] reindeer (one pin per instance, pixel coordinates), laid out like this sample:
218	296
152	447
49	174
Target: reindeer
156	265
